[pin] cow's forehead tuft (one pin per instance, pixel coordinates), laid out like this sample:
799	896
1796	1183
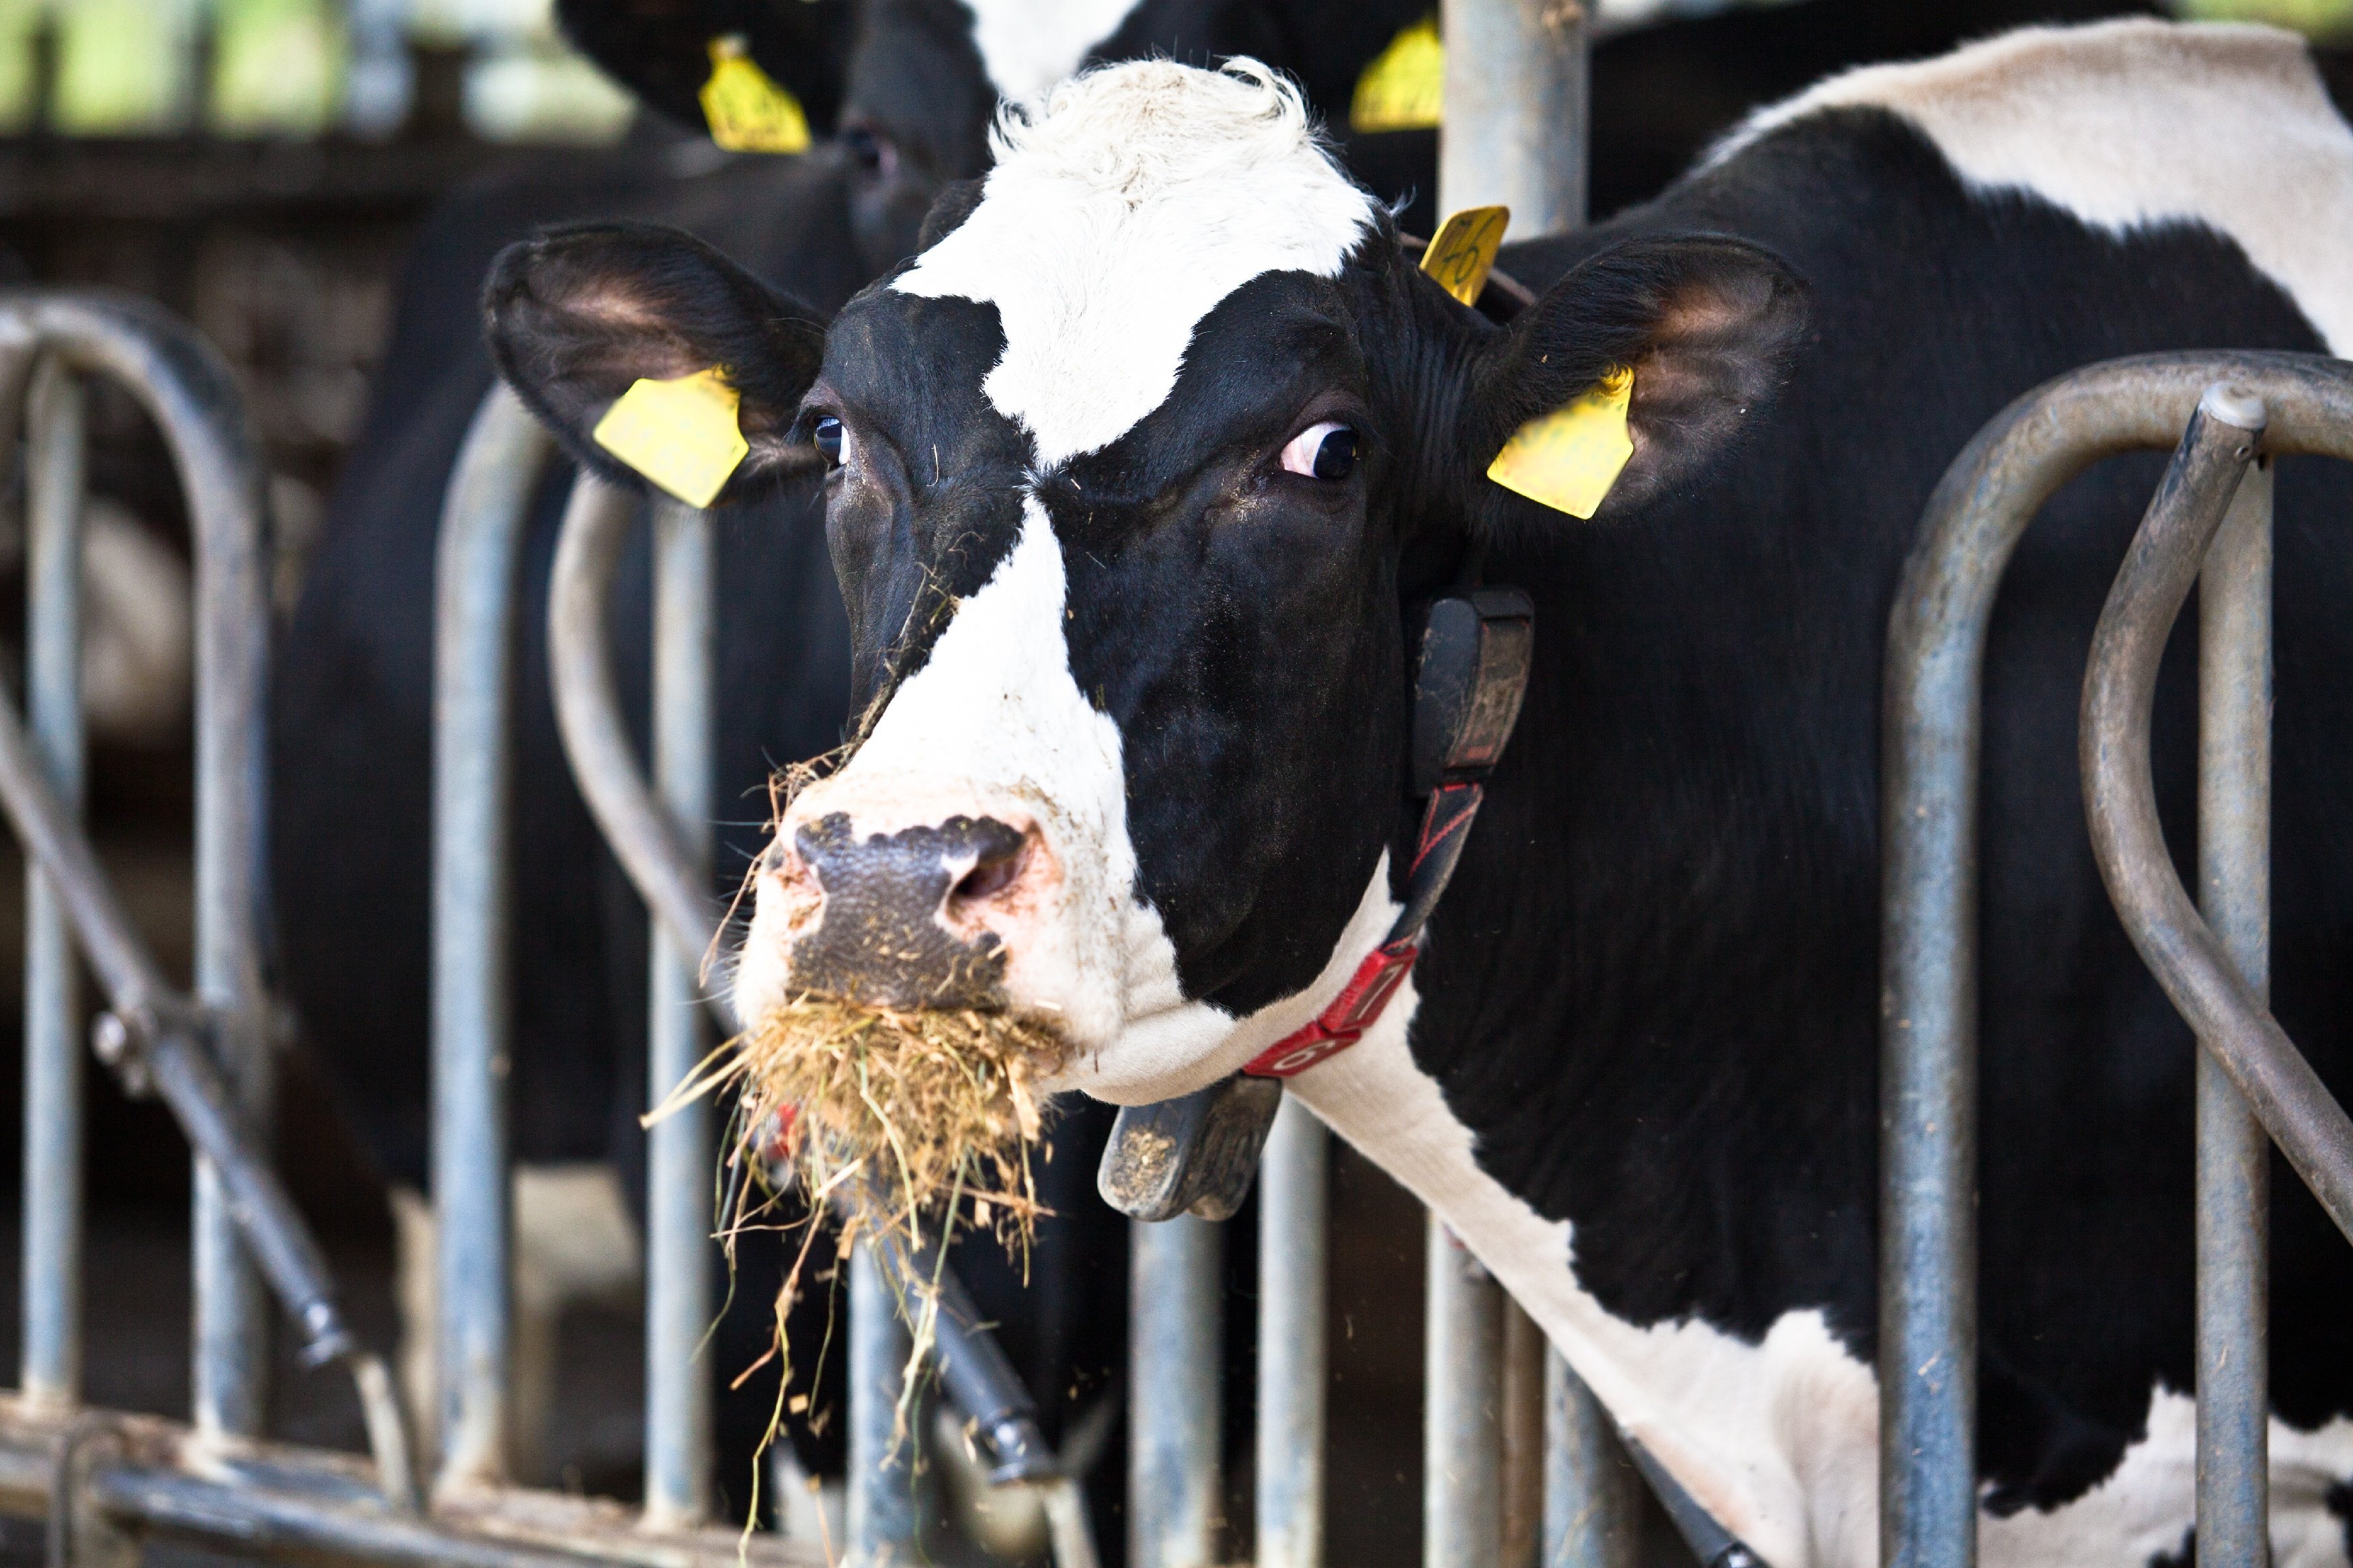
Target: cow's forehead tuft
1119	212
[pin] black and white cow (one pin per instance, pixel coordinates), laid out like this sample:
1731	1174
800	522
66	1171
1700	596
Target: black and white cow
1131	477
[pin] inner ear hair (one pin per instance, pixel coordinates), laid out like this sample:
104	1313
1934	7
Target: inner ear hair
579	314
1707	323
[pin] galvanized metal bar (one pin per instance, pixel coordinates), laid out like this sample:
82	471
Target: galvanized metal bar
1292	1376
884	1522
1592	1506
640	829
1462	1440
1175	1327
505	454
50	1369
184	388
2310	405
1931	730
679	1221
1516	108
2234	1155
1521	1415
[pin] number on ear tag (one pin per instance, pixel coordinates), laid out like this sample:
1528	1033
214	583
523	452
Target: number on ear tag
681	434
1568	460
1405	86
1463	252
747	111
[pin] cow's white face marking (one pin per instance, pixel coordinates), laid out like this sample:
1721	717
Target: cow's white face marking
1116	218
1027	45
2134	123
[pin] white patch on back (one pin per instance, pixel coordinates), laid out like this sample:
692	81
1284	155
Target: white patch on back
1027	45
1117	217
2131	123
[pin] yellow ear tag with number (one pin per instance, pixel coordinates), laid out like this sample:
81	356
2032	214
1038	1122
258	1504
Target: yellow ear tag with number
1405	86
748	112
1463	252
681	434
1568	460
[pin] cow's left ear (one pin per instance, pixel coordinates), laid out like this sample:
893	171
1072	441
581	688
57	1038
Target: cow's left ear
1707	323
581	313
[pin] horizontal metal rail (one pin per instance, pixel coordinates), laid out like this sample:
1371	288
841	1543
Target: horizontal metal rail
136	1476
1931	735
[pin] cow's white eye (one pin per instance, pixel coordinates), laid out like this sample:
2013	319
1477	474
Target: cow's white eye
831	440
1325	451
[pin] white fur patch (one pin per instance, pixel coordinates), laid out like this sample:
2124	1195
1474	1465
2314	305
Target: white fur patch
2131	123
1779	1440
1027	45
1117	217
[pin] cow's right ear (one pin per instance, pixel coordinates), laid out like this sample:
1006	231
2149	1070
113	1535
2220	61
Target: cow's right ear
579	314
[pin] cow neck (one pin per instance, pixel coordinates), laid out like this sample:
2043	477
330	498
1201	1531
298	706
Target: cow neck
1196	1153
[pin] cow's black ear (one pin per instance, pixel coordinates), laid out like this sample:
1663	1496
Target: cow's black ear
577	315
1707	324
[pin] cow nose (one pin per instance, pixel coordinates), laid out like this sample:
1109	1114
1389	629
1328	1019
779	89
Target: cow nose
901	923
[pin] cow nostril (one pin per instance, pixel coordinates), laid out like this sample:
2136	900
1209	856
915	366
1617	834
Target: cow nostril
990	877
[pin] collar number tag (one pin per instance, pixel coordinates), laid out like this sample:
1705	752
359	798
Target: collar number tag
1405	86
747	111
1463	252
681	434
1568	460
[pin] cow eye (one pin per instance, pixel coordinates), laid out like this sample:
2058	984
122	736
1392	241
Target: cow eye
829	439
1325	451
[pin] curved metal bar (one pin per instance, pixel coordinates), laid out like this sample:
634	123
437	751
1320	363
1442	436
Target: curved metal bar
2311	411
1930	734
484	518
156	1035
588	712
188	393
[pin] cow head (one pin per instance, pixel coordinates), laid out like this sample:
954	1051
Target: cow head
1130	477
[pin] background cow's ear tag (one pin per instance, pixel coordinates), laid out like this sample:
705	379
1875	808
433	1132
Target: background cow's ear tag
1405	86
747	111
1568	460
1463	252
681	434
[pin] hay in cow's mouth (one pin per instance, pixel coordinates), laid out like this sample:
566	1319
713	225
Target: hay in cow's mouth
932	1112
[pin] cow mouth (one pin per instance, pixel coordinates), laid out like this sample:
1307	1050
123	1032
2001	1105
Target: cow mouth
930	1115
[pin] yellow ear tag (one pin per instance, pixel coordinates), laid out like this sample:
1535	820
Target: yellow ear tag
1569	460
1405	86
1463	252
747	111
680	434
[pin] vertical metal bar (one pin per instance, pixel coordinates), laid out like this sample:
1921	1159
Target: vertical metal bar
1293	1186
220	471
51	1370
1591	1506
1462	1441
2235	788
1517	106
481	533
1521	1406
883	1521
678	1147
1174	1328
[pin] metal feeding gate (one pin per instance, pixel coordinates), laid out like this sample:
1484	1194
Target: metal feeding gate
2225	415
